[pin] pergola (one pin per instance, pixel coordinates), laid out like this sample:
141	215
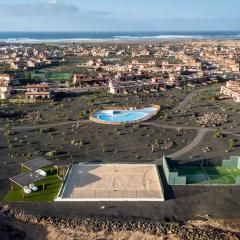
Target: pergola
36	163
24	179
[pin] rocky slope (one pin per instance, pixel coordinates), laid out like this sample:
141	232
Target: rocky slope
18	225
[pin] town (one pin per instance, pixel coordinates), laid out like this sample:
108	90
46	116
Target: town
154	123
117	68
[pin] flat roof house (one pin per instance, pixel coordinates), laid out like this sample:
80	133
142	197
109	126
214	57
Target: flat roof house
6	77
38	91
6	81
232	90
124	87
5	89
84	80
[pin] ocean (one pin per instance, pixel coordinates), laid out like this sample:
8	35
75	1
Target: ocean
24	37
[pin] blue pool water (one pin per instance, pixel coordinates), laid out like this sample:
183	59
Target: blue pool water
124	116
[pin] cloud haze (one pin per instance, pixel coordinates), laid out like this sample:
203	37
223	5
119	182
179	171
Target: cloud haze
116	15
52	7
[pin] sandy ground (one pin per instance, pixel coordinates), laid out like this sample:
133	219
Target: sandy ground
40	232
121	181
72	235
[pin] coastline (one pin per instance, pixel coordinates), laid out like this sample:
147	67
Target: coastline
113	37
112	41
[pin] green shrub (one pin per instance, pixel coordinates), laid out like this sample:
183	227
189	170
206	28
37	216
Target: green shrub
51	153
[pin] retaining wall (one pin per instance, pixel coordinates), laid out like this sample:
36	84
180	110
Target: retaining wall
233	162
172	177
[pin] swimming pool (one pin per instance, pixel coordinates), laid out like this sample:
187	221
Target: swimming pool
127	115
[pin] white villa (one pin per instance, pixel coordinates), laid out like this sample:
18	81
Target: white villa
38	91
5	86
232	90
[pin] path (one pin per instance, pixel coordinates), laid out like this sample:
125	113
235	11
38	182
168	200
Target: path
197	140
48	125
187	99
201	132
188	128
57	124
184	102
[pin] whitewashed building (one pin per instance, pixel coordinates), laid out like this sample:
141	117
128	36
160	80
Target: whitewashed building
232	90
5	86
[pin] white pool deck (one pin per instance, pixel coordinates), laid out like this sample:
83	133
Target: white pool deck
126	111
112	182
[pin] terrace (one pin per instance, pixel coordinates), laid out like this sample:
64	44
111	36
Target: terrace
39	171
51	183
232	89
118	87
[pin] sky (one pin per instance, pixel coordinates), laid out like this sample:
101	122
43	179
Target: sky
119	15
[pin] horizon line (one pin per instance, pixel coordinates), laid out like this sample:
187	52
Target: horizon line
112	31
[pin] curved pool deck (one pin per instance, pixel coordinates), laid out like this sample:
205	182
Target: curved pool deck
124	115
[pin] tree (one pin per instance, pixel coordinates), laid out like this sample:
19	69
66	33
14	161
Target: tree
217	133
231	143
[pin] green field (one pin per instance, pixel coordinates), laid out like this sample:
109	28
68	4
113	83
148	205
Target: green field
52	76
52	185
59	76
209	175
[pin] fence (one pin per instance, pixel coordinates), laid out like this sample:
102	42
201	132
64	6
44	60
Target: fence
233	162
51	76
172	177
237	182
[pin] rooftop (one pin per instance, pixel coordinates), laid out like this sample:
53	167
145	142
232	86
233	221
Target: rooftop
36	163
25	179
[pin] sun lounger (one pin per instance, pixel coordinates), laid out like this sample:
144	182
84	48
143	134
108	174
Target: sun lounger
41	172
27	190
33	187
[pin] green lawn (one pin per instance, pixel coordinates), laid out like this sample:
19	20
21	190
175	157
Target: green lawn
52	185
190	171
212	175
59	76
52	76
